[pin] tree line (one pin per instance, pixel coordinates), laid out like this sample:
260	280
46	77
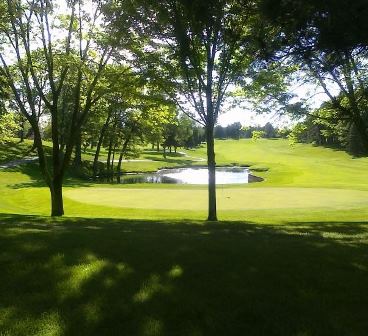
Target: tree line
237	131
324	127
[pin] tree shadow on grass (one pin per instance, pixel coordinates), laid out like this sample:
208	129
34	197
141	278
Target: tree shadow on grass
37	181
77	276
186	162
31	170
12	151
147	154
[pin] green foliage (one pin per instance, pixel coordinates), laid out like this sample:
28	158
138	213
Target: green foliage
325	41
204	46
4	91
256	135
8	127
326	127
59	73
331	25
283	132
296	133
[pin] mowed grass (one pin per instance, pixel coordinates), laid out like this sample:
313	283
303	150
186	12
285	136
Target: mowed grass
289	256
130	277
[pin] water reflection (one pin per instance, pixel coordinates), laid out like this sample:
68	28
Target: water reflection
234	175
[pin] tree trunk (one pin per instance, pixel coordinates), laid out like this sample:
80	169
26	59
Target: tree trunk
108	160
78	152
211	116
99	144
118	168
22	130
211	164
112	164
362	130
56	190
122	152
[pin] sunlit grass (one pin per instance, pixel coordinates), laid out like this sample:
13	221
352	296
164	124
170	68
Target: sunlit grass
228	199
299	180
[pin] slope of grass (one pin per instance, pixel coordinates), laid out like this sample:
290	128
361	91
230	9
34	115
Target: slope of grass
297	165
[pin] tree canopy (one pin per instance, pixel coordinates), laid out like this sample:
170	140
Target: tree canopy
327	43
196	50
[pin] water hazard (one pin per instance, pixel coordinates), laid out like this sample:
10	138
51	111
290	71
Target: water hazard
233	175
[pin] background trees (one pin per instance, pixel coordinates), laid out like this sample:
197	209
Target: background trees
237	131
325	127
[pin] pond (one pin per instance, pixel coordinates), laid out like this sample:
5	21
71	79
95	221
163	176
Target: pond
233	175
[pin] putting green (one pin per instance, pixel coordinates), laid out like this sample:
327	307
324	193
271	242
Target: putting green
228	199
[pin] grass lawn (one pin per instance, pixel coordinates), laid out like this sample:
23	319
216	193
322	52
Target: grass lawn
131	277
289	256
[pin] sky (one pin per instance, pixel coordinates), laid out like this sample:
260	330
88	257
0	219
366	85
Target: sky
247	117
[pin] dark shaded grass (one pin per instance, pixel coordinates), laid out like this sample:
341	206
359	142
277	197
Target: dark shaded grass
12	151
182	278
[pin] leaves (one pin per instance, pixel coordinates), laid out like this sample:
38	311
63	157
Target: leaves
8	127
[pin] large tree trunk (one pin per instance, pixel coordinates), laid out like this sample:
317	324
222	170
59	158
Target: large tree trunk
56	190
210	125
56	183
362	130
211	164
